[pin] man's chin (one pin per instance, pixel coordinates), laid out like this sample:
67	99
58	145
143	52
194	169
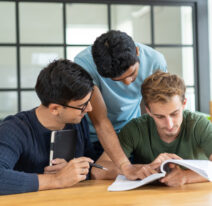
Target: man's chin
171	134
76	121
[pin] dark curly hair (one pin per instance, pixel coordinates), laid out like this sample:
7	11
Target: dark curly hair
113	53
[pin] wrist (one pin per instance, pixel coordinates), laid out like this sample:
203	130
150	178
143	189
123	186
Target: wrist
124	164
48	181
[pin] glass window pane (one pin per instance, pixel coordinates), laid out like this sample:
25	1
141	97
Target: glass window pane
134	20
29	100
85	22
33	59
190	95
8	67
7	22
41	23
173	25
180	61
8	104
72	51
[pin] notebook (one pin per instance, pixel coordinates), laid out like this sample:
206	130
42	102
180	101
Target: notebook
63	144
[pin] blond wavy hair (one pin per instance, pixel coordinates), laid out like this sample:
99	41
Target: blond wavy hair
161	86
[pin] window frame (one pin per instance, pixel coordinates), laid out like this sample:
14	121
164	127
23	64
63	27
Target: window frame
200	41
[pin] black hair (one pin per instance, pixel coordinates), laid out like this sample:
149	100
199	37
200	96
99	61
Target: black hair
62	81
113	53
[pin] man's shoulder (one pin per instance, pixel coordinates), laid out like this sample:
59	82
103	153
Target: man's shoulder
85	60
19	121
147	50
84	54
194	118
189	115
142	121
151	57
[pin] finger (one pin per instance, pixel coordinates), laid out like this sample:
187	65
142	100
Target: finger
172	166
81	177
145	171
81	164
167	156
165	179
47	169
52	172
82	159
161	158
141	175
155	165
148	171
174	156
58	161
55	167
83	171
169	176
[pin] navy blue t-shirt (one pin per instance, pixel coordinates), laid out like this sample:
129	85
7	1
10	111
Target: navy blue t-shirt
25	148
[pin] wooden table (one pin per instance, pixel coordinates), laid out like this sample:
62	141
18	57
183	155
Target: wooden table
94	193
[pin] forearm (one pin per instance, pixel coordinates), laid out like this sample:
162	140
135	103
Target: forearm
104	129
13	182
110	143
47	181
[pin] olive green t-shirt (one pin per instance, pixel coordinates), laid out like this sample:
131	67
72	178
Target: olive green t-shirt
140	139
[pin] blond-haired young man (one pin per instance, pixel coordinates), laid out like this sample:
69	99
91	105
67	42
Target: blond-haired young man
166	131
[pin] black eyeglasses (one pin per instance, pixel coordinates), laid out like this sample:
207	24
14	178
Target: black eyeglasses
80	108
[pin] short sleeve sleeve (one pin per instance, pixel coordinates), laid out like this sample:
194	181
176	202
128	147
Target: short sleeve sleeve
127	137
85	60
203	135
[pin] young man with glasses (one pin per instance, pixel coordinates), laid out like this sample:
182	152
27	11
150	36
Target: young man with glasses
118	67
65	90
166	132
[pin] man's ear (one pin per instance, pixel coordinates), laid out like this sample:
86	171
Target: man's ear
184	103
54	108
148	111
137	51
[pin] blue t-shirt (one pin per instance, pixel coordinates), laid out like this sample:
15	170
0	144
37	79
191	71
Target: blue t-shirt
25	148
122	101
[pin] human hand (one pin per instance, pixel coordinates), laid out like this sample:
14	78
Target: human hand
177	176
147	170
139	171
74	172
57	165
165	156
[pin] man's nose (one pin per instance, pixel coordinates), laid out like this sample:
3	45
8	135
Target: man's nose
169	122
89	107
127	80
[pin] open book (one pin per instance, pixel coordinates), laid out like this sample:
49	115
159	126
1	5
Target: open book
202	167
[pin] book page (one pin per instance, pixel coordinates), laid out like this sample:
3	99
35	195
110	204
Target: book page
122	183
202	167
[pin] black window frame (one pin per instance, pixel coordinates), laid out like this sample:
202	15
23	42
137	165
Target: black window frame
200	41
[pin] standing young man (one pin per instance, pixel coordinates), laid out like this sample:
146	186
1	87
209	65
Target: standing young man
64	90
118	67
167	131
